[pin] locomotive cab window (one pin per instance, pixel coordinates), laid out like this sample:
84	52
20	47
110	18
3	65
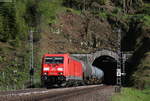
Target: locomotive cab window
54	60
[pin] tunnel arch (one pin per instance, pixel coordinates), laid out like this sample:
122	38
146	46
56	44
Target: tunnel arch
106	52
109	65
104	59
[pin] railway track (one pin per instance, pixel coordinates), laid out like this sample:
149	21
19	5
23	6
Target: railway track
80	93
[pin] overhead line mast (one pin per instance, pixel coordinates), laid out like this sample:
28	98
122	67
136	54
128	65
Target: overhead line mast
119	62
31	59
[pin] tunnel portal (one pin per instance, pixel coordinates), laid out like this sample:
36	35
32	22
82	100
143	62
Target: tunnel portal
109	65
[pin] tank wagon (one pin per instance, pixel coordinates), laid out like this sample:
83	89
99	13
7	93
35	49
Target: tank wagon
65	70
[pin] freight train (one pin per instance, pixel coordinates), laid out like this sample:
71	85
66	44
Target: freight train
65	70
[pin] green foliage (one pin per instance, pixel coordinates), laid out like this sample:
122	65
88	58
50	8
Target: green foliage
130	94
13	30
103	15
78	12
15	75
49	10
22	27
80	4
136	4
15	43
76	4
8	24
12	23
1	27
146	9
115	13
102	2
117	10
145	19
142	75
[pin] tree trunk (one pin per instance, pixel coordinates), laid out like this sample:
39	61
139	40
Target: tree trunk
128	5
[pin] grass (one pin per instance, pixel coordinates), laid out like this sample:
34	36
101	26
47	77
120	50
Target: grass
131	94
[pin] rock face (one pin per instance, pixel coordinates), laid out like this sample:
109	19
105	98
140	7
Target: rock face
81	33
99	33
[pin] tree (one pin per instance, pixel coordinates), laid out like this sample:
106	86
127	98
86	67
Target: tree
128	5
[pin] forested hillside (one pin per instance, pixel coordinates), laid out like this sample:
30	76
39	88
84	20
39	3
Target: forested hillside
73	26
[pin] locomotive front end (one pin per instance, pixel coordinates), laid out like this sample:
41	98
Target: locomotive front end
52	69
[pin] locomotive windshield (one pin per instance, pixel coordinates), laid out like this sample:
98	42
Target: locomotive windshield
54	60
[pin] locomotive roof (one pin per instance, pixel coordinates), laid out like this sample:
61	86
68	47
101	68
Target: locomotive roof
63	54
55	54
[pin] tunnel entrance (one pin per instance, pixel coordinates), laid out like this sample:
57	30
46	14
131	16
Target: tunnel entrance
108	65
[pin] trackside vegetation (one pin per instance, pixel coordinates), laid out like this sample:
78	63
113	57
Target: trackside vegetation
131	94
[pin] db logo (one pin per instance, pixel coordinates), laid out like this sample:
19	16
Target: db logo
53	69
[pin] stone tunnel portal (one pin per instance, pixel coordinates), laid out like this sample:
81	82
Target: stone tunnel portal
109	65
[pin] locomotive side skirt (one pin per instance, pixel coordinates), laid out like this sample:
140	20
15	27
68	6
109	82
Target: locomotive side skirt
73	78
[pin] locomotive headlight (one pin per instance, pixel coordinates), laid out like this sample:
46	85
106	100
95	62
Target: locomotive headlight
45	73
46	69
60	69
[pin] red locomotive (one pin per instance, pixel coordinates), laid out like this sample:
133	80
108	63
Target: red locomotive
63	69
